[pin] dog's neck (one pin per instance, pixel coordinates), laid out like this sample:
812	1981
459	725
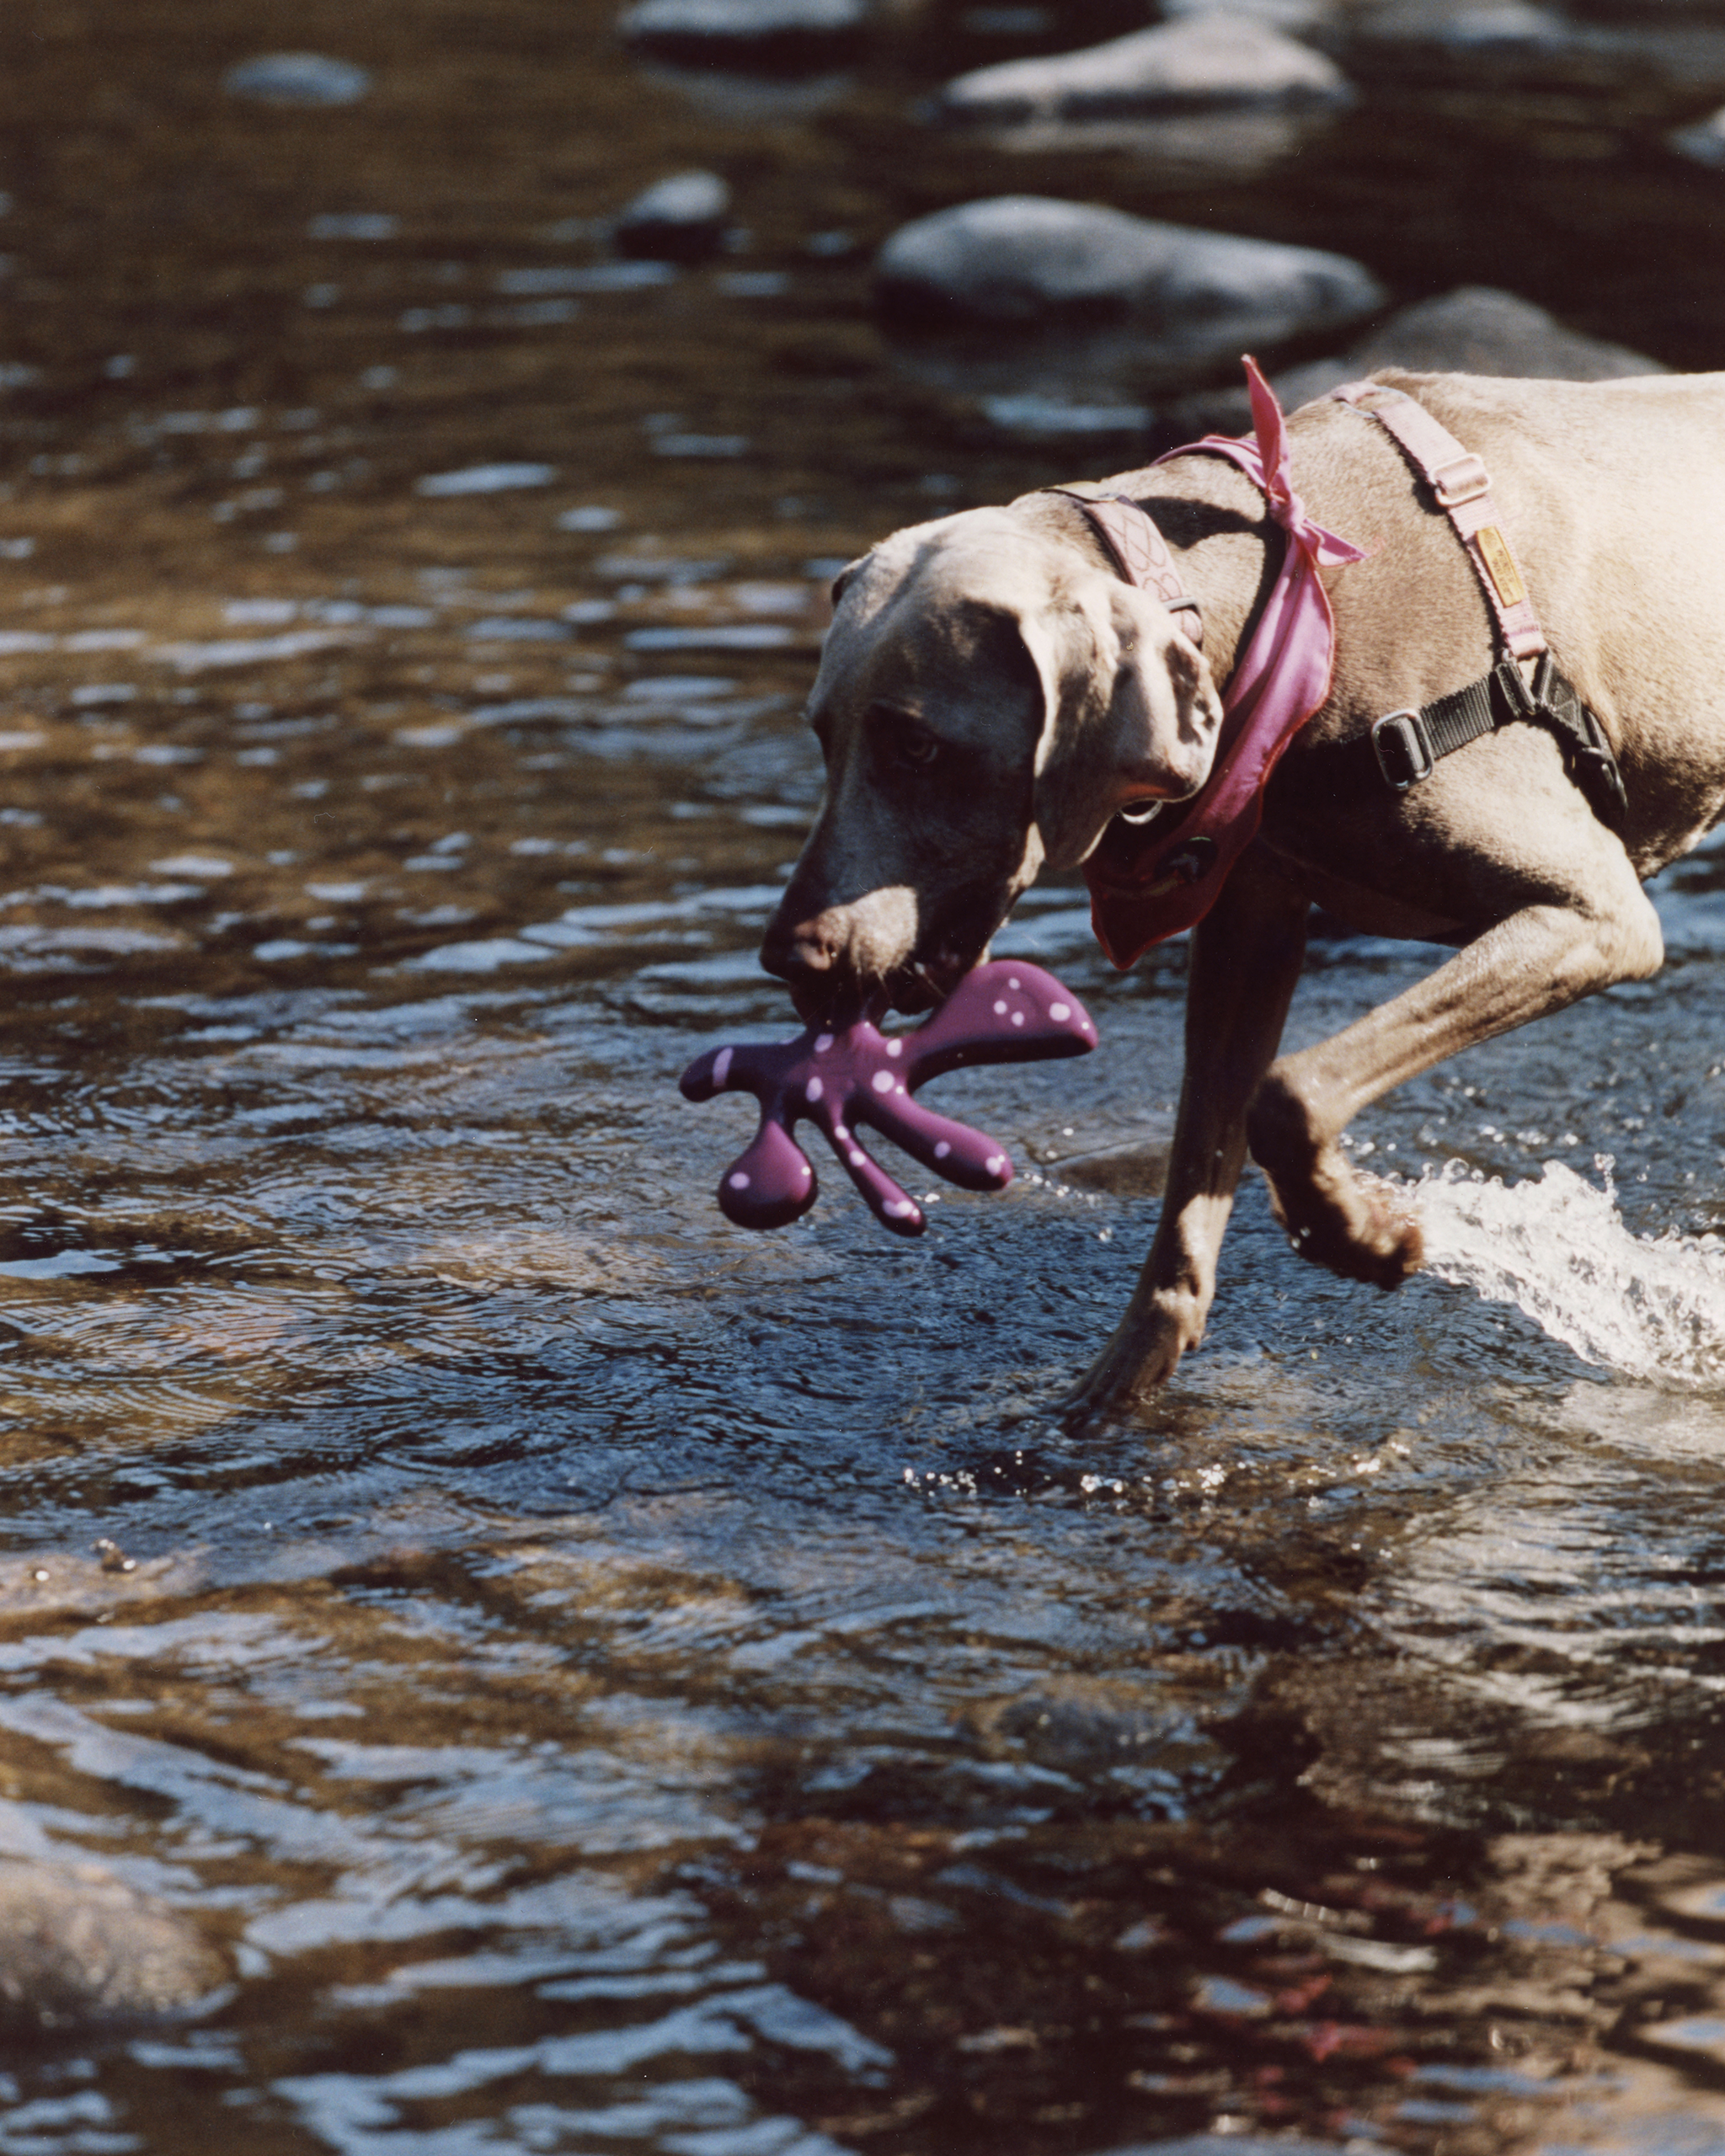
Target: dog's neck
1217	527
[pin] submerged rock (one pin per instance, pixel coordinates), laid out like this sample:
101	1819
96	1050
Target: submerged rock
1207	62
79	1949
1465	28
1026	262
678	219
1293	16
1704	141
297	78
747	34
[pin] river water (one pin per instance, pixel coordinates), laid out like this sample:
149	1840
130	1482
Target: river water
610	1682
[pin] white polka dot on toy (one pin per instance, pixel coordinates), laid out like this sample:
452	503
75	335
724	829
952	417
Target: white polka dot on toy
739	1181
883	1081
895	1048
1059	1012
941	1149
814	1090
721	1067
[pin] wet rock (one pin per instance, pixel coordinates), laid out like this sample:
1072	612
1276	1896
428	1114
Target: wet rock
1465	28
751	36
679	219
309	78
1026	262
1477	329
1208	62
1704	141
79	1949
1296	17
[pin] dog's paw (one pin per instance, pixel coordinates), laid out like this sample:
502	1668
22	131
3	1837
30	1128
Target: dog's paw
1359	1226
1144	1352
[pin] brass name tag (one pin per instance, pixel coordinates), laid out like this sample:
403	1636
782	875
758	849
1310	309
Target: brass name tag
1500	565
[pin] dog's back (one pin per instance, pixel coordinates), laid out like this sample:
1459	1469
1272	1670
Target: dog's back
1612	497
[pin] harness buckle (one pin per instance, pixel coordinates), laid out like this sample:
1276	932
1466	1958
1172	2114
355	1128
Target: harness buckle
1403	749
1462	480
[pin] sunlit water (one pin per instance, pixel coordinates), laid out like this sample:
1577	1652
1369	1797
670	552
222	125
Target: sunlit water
609	1682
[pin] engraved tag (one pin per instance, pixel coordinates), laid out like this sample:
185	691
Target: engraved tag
1500	565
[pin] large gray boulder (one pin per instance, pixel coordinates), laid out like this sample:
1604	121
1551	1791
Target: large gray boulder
80	1950
1477	329
1207	62
1026	262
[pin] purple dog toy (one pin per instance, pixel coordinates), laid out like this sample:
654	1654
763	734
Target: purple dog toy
1005	1012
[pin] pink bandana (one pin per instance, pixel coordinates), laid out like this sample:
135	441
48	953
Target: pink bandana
1148	884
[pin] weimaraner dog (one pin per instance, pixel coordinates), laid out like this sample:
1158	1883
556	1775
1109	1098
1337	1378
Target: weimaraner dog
995	696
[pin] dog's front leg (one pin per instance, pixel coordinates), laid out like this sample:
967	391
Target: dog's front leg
1245	956
1541	957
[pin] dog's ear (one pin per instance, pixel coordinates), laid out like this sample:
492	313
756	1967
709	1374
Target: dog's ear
844	577
1131	715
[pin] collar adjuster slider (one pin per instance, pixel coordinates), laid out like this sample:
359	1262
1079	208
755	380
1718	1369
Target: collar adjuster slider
1403	749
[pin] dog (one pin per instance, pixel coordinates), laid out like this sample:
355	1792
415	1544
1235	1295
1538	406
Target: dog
996	698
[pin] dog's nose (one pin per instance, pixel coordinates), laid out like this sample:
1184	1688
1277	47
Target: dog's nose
802	949
799	951
810	955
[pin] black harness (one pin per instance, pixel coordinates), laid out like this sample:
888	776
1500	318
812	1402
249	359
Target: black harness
1408	744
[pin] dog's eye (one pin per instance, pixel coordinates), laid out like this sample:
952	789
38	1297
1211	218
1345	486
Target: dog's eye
909	743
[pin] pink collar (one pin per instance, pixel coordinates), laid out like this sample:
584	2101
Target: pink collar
1148	882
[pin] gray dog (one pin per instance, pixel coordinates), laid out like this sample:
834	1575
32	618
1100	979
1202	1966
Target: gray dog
997	697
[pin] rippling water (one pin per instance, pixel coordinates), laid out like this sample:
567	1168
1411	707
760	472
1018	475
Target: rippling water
613	1682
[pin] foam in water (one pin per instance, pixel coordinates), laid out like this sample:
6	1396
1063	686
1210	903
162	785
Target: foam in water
1652	1307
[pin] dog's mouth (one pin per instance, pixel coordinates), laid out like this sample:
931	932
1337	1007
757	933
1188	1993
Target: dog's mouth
921	984
926	984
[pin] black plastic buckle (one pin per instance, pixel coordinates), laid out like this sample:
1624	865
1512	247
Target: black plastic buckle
1403	749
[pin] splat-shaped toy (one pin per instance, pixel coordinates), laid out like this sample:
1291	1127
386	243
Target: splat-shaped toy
1005	1012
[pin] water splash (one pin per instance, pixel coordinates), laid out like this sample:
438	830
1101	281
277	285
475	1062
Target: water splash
1652	1307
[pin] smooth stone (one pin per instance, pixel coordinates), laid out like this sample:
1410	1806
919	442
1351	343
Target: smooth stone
1704	141
746	33
1472	330
1480	27
1026	262
297	78
1209	61
1477	329
1293	16
679	219
79	1948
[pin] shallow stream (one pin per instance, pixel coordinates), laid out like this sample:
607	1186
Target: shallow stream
613	1682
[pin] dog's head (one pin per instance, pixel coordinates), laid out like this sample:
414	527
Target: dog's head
990	696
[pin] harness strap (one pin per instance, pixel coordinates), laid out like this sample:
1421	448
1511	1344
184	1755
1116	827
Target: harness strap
1407	744
1137	549
1461	486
